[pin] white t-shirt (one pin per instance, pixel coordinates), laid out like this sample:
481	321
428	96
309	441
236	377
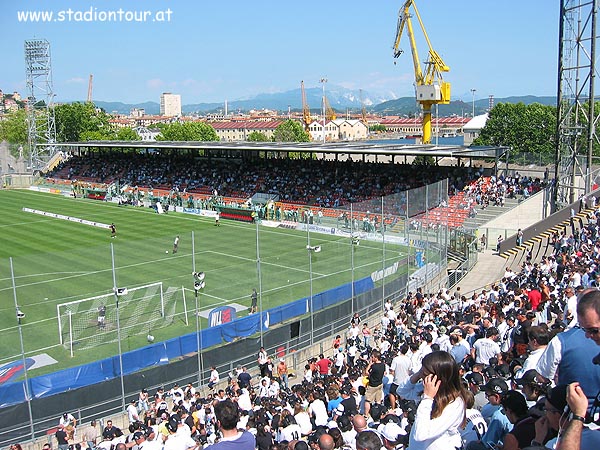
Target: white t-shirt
319	411
401	367
485	348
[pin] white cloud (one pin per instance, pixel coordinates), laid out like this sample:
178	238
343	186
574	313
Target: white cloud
76	80
155	83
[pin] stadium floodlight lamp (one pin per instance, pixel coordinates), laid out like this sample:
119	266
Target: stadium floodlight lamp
199	276
199	285
20	314
121	291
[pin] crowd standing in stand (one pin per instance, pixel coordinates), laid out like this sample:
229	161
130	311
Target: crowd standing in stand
506	368
509	367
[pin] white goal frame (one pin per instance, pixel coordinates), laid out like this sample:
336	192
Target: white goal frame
63	310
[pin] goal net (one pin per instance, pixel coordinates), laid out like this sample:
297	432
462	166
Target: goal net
92	321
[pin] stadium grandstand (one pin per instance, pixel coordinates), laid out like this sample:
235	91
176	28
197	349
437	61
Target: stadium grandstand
313	389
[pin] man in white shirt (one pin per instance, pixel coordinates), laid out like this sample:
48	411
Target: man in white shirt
132	412
214	378
570	311
400	369
538	341
487	347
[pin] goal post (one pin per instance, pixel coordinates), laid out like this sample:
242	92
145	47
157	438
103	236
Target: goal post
92	321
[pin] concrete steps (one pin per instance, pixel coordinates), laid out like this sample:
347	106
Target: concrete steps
538	245
491	212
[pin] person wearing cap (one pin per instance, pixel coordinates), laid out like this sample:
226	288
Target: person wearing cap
394	437
499	424
443	340
282	372
515	408
532	385
132	412
476	382
143	404
520	336
175	440
69	422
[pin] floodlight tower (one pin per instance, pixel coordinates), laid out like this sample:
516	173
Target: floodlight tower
576	124
41	127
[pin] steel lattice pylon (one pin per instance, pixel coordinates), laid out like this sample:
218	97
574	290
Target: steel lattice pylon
41	127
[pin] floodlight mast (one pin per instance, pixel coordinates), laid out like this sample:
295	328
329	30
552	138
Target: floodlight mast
41	124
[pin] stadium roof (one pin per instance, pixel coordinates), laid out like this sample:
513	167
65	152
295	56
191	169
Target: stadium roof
341	148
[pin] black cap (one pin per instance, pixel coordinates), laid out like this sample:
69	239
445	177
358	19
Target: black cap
475	378
557	396
529	377
138	434
496	386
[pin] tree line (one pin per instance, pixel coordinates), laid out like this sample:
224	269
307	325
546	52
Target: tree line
526	129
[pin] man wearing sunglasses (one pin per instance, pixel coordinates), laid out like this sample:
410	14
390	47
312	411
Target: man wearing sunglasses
588	315
568	357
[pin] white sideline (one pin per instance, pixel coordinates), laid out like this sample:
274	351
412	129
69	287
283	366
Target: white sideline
69	218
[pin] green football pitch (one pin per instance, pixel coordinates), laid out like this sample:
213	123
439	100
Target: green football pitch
48	261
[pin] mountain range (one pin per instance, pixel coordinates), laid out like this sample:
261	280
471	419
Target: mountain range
341	99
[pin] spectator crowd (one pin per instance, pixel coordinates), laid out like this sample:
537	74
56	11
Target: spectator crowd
511	367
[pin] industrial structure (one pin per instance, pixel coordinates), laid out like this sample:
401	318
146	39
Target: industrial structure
41	126
576	125
430	87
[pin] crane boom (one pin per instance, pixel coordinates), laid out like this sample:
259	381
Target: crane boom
90	84
430	87
305	108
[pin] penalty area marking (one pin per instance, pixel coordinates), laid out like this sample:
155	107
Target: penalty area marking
69	218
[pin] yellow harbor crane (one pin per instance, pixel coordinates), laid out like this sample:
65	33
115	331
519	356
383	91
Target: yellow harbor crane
430	87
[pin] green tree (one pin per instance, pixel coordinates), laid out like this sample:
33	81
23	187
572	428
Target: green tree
257	136
290	131
188	131
524	128
127	134
424	160
378	128
13	128
75	120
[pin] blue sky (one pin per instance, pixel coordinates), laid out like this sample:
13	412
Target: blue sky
210	51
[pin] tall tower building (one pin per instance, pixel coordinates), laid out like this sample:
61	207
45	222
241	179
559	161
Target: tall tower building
170	104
